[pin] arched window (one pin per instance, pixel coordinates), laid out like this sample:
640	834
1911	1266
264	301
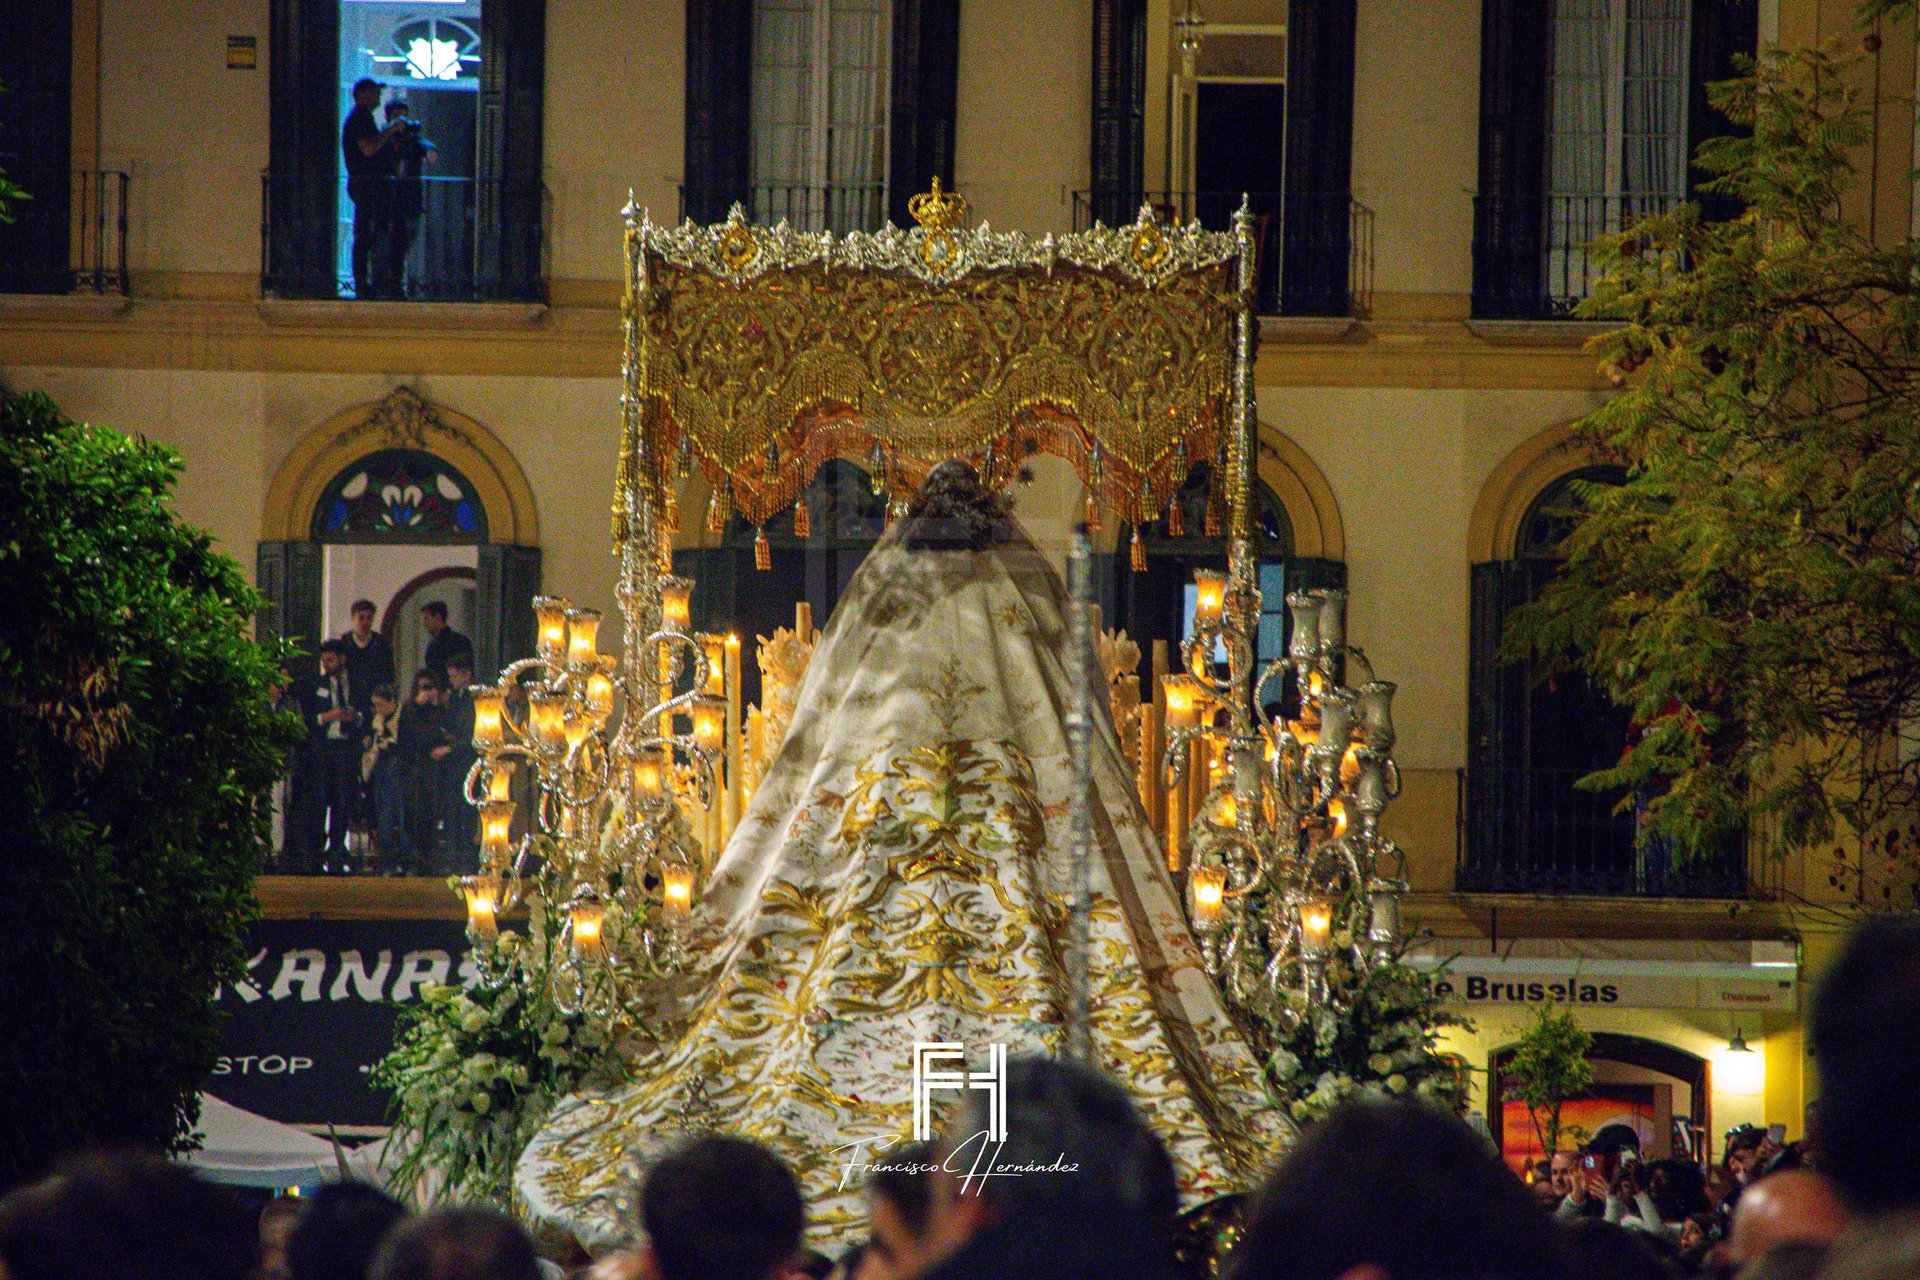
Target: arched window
1525	826
845	518
399	495
1158	603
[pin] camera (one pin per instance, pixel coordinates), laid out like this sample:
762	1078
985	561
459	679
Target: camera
1589	1162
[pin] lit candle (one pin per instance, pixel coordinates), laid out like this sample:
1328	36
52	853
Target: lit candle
1337	812
676	609
550	614
649	779
1316	928
1350	765
489	712
1226	810
1183	697
599	688
547	718
676	889
1210	595
1208	888
500	780
587	916
483	902
1303	733
496	831
709	718
577	729
583	631
715	647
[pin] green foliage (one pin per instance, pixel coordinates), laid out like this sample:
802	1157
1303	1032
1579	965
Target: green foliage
1378	1033
1759	571
474	1073
137	751
1549	1066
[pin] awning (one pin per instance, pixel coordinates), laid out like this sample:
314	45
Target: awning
244	1149
1662	974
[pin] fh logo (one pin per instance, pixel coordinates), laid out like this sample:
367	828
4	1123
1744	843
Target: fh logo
927	1077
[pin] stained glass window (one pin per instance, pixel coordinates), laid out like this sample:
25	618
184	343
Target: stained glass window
400	495
1558	508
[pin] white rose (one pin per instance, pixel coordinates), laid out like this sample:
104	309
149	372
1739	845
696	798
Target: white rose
1396	1083
472	1022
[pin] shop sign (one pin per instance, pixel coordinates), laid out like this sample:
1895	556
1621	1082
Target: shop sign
316	1010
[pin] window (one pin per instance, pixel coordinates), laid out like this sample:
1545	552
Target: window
819	113
1590	112
1617	136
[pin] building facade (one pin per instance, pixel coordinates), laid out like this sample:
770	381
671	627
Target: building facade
1423	176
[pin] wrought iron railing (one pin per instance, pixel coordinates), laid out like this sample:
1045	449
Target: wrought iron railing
859	206
455	239
69	236
1330	225
1533	831
1534	258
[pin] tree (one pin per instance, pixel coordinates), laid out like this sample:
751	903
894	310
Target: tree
138	748
1549	1066
1753	590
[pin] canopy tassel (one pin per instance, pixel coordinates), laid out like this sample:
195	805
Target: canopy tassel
762	550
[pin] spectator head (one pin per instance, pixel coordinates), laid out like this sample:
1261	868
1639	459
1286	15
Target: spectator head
433	616
457	1244
1677	1187
277	1221
460	671
1613	1141
1564	1170
366	93
340	1231
720	1208
129	1216
385	699
899	1204
810	1263
1797	1206
425	682
1599	1250
1886	1247
1743	1151
333	656
1114	1188
363	610
1401	1189
1787	1262
396	107
1865	1033
1696	1231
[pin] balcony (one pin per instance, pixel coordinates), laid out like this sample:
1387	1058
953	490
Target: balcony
1534	258
1331	227
859	206
475	240
71	237
1532	831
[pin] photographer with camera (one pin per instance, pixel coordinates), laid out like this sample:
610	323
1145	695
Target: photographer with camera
372	160
412	153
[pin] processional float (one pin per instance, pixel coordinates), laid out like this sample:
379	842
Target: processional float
754	355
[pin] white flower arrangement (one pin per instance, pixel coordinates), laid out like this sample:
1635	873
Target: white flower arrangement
474	1073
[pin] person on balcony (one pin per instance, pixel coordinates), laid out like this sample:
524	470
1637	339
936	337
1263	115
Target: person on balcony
412	153
372	161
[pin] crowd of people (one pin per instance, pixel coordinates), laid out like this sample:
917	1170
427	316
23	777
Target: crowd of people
377	783
1082	1189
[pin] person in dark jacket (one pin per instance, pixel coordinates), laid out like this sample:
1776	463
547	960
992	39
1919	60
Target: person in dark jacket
334	744
459	821
371	159
418	736
443	641
369	658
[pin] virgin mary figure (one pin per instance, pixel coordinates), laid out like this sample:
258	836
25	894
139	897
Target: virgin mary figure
900	878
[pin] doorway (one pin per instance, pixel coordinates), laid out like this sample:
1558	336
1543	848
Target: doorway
1658	1091
1239	149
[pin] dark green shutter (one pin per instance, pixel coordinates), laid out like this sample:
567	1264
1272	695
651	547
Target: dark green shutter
289	575
1509	217
1315	226
507	580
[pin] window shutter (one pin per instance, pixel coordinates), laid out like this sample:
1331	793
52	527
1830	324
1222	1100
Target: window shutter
510	202
1516	39
1720	30
1315	227
922	95
303	47
1118	162
36	68
719	105
288	574
507	580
